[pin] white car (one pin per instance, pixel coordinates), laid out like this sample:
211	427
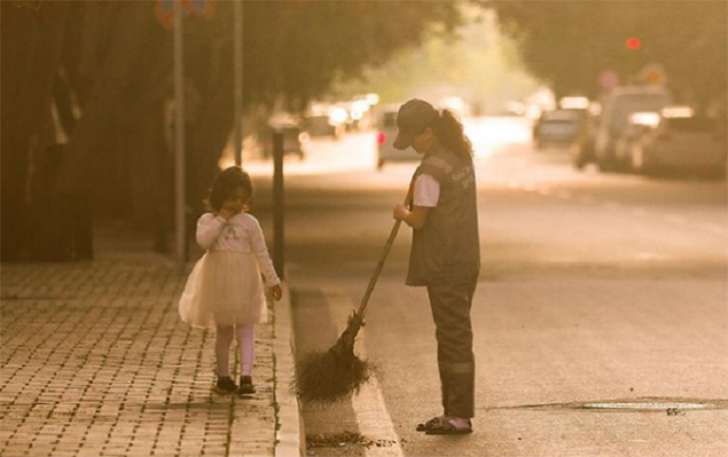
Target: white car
616	110
682	143
386	128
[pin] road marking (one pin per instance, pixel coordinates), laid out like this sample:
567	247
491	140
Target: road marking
370	410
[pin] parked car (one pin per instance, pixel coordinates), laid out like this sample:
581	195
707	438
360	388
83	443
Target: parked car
616	109
682	143
321	125
558	127
295	140
386	125
639	125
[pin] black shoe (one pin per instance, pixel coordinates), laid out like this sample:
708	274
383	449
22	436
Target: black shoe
246	386
225	386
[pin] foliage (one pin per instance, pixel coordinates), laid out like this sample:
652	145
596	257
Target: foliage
33	5
478	64
113	60
568	44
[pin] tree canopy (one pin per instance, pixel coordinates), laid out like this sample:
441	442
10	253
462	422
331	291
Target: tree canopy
478	64
568	44
102	70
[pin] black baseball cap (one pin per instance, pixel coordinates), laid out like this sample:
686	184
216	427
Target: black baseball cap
413	117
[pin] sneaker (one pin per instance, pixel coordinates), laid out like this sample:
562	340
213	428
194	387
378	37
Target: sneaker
246	386
225	386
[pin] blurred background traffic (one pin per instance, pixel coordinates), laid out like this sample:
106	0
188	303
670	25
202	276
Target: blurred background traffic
88	96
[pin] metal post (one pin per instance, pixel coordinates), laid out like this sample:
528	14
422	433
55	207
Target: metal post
179	138
238	77
278	201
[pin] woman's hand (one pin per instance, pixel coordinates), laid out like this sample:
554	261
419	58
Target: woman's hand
415	218
400	212
276	292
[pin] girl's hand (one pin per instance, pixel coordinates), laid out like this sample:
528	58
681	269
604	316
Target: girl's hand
226	213
400	212
276	292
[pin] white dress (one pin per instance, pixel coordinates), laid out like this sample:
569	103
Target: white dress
224	287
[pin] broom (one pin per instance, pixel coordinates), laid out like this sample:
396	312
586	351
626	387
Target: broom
327	376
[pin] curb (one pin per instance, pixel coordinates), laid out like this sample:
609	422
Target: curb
290	435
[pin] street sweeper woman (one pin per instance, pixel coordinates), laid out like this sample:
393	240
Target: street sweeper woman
445	253
224	292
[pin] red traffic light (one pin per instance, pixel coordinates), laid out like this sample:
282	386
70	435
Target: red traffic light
634	43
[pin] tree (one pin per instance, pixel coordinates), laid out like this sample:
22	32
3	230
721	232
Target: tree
31	45
110	65
569	44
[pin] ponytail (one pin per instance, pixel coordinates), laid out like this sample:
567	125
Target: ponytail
450	133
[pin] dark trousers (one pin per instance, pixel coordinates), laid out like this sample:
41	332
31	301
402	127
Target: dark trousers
451	311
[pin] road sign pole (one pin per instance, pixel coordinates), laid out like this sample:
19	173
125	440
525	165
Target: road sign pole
179	139
238	76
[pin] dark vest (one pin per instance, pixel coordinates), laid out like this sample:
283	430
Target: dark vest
447	248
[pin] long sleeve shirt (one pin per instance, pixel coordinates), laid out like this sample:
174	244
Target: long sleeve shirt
240	233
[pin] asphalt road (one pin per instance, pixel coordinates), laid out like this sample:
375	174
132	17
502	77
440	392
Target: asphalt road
595	288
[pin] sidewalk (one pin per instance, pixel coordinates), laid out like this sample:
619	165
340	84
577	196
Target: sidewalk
96	362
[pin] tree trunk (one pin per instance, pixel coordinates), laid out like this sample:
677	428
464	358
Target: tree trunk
209	139
31	46
133	25
93	159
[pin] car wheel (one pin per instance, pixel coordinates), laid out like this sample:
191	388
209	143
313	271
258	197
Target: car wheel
380	164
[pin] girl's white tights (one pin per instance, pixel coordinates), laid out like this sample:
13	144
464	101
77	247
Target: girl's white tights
246	344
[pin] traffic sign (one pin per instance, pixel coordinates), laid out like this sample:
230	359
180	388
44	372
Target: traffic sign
202	8
609	79
653	74
164	10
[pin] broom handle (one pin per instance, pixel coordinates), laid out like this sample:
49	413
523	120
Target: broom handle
382	258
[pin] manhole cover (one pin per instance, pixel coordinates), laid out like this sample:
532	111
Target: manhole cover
647	405
643	404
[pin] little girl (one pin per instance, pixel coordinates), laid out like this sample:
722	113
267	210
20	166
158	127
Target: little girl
224	290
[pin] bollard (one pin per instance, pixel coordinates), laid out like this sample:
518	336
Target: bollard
278	202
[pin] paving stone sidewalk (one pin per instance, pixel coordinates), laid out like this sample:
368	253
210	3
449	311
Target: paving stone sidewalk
96	362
